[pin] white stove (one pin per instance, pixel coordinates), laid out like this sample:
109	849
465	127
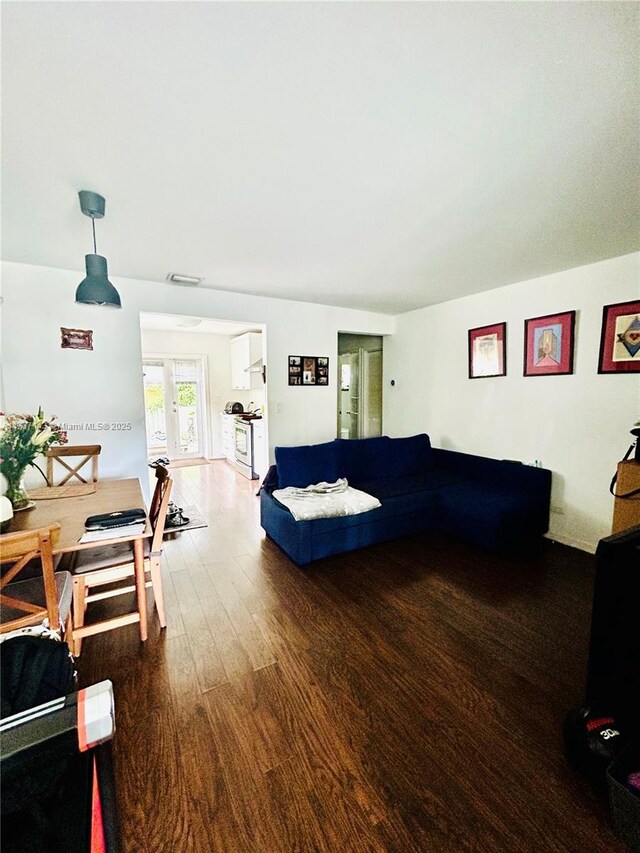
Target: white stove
244	448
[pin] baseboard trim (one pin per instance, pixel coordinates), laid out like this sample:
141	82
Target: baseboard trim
580	544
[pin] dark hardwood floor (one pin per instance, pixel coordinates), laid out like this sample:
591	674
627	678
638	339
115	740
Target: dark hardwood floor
407	697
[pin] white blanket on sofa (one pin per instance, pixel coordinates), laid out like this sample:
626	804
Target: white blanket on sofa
325	500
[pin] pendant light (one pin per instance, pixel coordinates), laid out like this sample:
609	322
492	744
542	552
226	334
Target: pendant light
95	289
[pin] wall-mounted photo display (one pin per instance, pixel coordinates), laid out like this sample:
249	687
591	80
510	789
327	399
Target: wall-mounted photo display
620	338
76	338
549	344
488	351
308	370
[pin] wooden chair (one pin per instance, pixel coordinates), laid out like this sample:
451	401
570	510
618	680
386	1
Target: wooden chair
88	452
110	566
47	596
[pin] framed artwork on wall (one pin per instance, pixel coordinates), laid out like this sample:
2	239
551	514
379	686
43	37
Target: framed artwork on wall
549	344
76	338
620	338
488	351
308	370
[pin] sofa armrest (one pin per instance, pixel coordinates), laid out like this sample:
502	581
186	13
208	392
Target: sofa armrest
500	472
270	482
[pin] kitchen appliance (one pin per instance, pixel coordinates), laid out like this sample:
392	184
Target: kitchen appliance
233	408
244	448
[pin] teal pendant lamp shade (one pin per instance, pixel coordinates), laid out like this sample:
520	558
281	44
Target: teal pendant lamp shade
95	289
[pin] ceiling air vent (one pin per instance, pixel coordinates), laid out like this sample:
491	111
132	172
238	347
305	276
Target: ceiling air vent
188	280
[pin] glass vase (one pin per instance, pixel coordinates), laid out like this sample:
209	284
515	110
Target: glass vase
16	491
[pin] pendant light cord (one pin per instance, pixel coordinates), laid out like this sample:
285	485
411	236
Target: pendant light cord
93	227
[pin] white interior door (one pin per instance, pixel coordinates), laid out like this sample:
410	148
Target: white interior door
371	408
344	380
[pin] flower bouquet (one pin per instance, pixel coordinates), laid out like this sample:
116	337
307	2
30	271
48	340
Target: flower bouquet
22	439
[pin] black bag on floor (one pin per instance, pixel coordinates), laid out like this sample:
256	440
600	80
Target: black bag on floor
35	670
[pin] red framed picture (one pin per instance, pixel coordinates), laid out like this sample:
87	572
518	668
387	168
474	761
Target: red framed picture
620	338
76	338
488	351
548	344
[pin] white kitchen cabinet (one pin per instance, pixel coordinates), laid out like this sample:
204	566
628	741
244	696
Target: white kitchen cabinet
228	437
246	350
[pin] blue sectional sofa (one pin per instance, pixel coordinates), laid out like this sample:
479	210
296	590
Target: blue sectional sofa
495	504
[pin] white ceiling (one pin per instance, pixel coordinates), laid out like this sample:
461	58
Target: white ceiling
203	326
377	155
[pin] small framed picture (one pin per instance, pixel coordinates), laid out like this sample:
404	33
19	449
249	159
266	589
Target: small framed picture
549	344
488	351
620	338
76	338
308	370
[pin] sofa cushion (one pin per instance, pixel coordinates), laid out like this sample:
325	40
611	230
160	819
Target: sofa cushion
494	504
363	458
411	455
390	487
310	463
402	506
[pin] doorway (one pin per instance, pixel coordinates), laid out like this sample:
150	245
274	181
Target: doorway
175	413
359	385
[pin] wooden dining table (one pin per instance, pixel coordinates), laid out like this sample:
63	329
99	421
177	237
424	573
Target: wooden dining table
71	513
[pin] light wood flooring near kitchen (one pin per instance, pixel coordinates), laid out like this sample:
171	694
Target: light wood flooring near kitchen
407	697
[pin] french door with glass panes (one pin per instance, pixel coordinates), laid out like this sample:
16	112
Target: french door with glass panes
174	407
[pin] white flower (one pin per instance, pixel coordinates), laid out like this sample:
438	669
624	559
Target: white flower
41	437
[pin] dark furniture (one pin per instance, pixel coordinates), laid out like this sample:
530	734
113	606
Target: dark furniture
493	504
613	673
613	682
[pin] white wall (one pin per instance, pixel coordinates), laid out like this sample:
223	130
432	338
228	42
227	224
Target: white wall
215	349
577	425
106	385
